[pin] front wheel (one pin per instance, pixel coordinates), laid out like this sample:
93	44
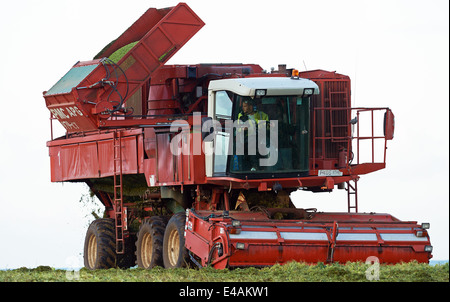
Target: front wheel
175	253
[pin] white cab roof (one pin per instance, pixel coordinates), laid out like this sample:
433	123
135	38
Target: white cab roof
274	85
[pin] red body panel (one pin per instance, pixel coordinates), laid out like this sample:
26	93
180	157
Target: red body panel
92	156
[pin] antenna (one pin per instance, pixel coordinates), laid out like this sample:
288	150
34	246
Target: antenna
306	68
354	82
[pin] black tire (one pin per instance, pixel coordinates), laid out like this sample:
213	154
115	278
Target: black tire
175	253
149	244
100	247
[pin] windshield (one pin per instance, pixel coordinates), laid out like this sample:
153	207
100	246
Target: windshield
269	135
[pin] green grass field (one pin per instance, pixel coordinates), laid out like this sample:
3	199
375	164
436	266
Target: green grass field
291	272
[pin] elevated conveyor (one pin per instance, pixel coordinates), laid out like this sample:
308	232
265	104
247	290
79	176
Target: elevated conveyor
98	89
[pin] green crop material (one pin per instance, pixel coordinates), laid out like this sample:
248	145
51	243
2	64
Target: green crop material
118	54
290	272
161	58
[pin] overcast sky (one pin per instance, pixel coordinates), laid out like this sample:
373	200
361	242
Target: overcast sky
396	53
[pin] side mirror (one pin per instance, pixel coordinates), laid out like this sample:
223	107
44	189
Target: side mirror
389	124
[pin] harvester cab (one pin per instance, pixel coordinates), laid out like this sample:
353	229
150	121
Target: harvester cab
261	127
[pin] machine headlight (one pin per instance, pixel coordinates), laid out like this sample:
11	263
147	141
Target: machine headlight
308	91
425	225
260	92
421	233
236	223
240	245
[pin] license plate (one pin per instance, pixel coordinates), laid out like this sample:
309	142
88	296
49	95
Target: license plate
330	173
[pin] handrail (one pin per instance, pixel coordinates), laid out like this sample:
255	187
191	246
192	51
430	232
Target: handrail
348	137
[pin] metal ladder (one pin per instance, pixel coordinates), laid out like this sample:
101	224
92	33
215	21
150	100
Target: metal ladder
120	213
352	195
337	126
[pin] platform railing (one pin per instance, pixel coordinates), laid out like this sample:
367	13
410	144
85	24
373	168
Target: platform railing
363	125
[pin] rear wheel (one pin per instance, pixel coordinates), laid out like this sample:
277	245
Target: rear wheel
100	247
149	244
174	252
